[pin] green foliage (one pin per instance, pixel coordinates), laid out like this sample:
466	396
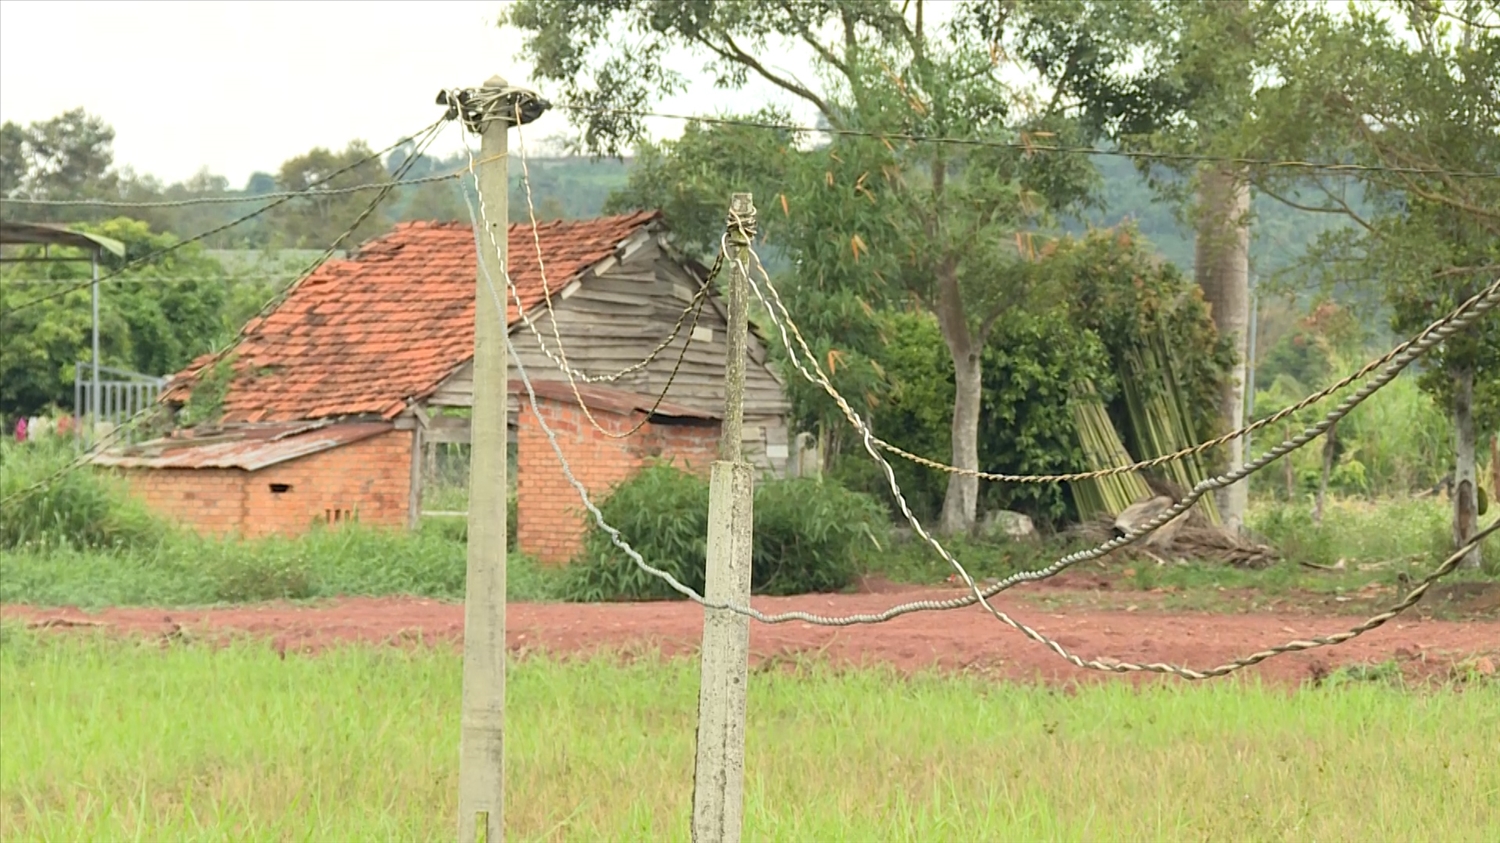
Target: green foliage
171	568
316	222
809	533
663	513
806	536
1031	362
1391	532
1429	240
153	319
81	509
1396	443
1120	301
1132	302
66	157
205	404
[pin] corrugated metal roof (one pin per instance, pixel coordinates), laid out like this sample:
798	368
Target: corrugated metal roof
13	231
250	448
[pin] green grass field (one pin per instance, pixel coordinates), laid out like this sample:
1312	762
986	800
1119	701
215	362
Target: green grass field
108	740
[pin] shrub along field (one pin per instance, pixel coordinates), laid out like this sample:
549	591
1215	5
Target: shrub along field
110	740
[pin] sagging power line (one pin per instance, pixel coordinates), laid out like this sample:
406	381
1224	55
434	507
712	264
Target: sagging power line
136	263
1395	362
1029	146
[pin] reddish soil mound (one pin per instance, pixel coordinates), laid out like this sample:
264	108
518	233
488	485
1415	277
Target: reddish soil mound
966	639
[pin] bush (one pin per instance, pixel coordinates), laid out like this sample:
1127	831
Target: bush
807	533
806	537
82	508
1356	531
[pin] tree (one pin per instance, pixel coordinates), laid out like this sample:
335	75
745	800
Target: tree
1169	76
67	157
154	319
1411	96
12	158
936	224
317	221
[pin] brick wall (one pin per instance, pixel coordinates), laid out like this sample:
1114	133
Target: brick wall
549	514
210	502
551	518
692	447
369	479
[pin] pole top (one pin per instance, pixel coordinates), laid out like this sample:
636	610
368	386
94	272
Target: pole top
495	100
741	222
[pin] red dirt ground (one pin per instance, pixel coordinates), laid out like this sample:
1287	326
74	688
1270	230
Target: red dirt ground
965	640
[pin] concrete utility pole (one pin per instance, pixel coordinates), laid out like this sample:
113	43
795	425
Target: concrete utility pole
490	111
719	771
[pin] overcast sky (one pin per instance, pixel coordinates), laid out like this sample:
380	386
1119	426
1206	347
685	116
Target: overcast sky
242	86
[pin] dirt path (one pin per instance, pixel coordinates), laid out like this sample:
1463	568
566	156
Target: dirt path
966	639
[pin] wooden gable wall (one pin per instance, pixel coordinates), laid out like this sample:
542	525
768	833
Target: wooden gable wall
614	315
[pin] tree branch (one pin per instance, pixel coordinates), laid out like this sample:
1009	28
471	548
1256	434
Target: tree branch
1483	216
988	323
732	52
822	50
1345	210
1350	212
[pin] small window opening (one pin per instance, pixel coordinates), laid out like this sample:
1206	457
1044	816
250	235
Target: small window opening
280	488
336	516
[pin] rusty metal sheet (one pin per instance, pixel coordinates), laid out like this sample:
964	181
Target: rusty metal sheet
249	448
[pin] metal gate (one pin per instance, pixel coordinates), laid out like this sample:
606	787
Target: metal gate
122	395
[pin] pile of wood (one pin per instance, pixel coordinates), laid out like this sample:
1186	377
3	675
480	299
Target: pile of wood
1188	537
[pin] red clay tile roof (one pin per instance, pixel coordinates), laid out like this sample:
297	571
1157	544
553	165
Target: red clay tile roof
362	336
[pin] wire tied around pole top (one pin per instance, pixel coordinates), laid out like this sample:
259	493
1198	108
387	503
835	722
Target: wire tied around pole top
496	100
742	222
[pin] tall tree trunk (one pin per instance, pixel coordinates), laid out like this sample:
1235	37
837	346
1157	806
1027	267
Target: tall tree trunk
1494	489
961	502
1222	267
1330	450
1465	482
1291	471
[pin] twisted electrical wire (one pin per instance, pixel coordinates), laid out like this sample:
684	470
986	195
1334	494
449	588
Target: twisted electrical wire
1111	665
559	357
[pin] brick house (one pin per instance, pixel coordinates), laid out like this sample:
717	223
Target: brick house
325	405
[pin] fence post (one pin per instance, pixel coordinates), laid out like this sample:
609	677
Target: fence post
719	767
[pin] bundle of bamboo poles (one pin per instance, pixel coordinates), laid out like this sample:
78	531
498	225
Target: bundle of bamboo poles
1102	448
1159	414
